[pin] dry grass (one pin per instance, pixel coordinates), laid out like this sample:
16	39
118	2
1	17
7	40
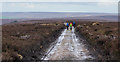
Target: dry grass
28	41
103	36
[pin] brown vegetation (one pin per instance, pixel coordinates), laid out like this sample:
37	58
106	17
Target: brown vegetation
103	36
28	41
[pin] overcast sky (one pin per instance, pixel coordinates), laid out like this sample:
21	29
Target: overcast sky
59	0
100	6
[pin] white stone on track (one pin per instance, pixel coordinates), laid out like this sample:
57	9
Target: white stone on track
68	47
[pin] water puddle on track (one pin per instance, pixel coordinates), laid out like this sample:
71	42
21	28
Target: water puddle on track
68	47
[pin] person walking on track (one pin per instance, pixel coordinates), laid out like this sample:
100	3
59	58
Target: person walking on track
74	24
67	25
71	26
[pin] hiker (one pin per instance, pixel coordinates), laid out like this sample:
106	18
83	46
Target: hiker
71	26
67	25
74	24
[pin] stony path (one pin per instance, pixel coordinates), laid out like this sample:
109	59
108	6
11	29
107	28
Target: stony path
68	47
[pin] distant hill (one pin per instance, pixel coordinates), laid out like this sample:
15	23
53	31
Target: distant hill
8	17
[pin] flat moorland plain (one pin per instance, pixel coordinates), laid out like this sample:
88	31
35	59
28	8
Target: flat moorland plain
28	41
102	36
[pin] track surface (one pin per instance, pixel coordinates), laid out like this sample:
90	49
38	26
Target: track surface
68	47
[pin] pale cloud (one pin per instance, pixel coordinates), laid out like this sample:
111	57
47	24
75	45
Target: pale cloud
107	3
0	7
61	7
108	0
59	0
28	5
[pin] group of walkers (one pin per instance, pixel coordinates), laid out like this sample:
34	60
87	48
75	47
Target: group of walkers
70	25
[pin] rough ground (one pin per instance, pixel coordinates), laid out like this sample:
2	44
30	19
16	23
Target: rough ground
68	47
102	36
28	41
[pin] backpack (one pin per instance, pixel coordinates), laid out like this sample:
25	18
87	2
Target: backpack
70	24
67	24
73	23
